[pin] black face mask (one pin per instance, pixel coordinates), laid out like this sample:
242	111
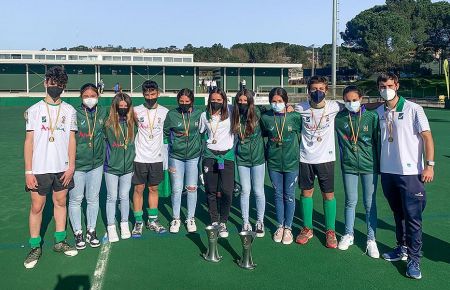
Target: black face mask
243	109
184	108
216	106
54	92
149	103
122	112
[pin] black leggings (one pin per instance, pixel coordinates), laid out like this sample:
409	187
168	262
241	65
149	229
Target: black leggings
218	181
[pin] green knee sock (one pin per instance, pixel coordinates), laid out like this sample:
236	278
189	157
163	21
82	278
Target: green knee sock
307	208
35	242
60	236
138	216
152	213
329	208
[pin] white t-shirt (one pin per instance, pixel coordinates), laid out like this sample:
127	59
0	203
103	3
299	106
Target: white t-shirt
50	157
223	136
149	142
404	155
318	145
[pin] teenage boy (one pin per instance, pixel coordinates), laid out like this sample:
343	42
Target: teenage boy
49	154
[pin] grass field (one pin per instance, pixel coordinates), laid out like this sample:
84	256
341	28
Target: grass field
174	262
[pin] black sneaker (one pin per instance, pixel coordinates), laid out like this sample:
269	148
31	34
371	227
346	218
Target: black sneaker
137	230
91	238
259	229
64	247
32	258
79	241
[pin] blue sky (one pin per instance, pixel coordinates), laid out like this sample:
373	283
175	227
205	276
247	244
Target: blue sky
151	24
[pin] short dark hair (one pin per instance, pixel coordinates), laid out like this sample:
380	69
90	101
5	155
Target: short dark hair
186	92
384	77
149	85
352	88
87	87
57	75
280	92
317	80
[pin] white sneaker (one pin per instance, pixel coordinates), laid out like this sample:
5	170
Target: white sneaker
175	226
372	249
124	231
112	234
345	242
223	231
191	226
247	227
278	235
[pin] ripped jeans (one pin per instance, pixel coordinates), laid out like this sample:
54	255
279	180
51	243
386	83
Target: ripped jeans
183	174
284	184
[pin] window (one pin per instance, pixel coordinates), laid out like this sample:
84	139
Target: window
157	59
50	57
73	57
60	57
187	59
5	56
40	56
168	59
117	58
92	57
126	58
178	59
27	56
83	57
138	58
16	56
107	57
148	58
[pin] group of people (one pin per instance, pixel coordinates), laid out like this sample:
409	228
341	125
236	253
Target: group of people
69	150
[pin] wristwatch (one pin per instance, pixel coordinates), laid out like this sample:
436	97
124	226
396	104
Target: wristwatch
430	163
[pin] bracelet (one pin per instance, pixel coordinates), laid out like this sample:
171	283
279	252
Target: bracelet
28	172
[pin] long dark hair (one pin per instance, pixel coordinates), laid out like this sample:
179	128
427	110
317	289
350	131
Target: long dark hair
224	110
113	119
278	91
251	115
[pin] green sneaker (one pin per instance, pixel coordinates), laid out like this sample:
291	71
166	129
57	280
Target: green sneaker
64	247
32	258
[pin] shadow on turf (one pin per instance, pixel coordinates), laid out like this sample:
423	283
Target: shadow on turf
74	282
433	248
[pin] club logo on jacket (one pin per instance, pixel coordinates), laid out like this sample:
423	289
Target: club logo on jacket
44	119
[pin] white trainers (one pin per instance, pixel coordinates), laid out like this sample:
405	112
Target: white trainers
278	235
124	231
175	226
345	242
247	227
372	249
191	226
223	231
112	234
287	236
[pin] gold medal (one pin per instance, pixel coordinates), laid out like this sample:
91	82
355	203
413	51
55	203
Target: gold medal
319	139
51	125
214	141
51	139
90	144
150	124
317	126
150	137
354	138
214	132
91	133
391	139
355	148
125	146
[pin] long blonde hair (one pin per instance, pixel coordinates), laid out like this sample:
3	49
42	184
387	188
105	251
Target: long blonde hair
113	119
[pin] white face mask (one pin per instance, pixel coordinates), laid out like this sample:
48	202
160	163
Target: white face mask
388	94
353	106
278	107
90	102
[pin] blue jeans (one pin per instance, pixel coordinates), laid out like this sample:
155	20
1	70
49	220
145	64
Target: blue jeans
184	174
91	182
369	188
252	178
117	185
284	184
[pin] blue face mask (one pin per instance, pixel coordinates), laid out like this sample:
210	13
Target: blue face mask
278	107
317	96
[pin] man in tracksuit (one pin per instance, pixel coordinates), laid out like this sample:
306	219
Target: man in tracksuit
405	134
